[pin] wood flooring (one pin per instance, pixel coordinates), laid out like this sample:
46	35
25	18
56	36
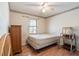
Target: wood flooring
52	50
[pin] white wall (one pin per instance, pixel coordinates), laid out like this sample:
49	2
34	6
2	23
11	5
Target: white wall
23	20
68	19
4	18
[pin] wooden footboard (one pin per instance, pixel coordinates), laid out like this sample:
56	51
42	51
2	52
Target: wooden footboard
5	45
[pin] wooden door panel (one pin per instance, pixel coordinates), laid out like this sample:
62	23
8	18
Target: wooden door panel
16	38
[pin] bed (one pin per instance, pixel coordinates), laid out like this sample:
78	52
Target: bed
39	41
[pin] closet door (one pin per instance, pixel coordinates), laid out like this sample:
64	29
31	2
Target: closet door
15	31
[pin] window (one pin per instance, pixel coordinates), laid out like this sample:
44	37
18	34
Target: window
32	26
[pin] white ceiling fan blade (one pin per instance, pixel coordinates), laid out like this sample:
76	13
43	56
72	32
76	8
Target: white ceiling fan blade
32	4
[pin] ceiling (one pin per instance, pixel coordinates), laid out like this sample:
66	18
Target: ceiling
34	8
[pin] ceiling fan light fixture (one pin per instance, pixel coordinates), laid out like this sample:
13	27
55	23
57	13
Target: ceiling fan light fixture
43	10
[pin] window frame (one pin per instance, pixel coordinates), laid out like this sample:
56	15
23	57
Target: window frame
33	26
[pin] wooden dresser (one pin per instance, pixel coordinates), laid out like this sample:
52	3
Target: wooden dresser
15	32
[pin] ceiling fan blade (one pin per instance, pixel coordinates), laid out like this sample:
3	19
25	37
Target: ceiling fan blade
32	4
57	5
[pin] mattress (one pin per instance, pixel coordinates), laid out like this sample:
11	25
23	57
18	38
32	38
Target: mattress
42	40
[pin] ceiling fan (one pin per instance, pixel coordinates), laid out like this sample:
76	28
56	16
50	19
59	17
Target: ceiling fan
42	5
47	5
